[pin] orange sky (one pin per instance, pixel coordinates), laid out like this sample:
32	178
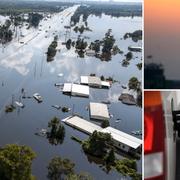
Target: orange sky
162	34
162	13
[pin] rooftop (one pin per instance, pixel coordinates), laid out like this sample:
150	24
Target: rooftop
89	127
80	90
125	138
82	124
99	111
76	89
94	81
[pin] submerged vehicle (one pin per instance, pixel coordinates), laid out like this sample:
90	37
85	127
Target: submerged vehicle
37	97
137	133
19	104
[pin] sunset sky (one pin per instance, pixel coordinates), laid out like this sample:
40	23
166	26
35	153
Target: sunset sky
162	34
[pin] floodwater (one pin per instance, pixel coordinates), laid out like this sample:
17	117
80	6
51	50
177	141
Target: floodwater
25	66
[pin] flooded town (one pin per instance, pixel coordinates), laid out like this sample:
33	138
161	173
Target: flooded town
71	90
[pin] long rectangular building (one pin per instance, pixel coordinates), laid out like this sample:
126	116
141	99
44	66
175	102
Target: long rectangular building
82	124
121	140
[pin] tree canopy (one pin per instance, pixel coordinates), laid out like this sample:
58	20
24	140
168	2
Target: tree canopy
59	168
15	162
134	84
97	143
56	131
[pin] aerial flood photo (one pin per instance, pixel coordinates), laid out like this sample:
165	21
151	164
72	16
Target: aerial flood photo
71	90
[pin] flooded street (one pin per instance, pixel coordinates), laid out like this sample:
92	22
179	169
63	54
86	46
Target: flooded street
23	64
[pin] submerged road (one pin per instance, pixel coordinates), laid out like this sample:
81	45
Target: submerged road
51	25
16	54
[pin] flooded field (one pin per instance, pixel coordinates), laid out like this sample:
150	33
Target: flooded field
23	65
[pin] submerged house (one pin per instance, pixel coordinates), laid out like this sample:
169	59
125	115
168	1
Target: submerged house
99	111
76	89
128	97
90	52
134	48
121	140
94	81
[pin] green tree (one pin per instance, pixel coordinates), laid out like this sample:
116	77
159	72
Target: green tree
52	49
128	167
108	42
57	131
34	19
80	176
110	158
95	46
129	55
59	168
105	123
15	162
134	84
68	44
97	143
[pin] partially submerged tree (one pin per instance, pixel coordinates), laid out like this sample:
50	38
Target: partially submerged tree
59	168
15	162
34	19
134	84
52	49
56	131
97	144
80	176
129	56
127	167
105	123
110	158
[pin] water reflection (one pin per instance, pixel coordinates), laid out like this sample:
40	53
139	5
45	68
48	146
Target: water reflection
28	69
18	62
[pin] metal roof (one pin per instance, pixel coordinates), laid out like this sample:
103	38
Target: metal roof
67	87
82	124
84	79
99	111
94	81
89	127
76	89
80	90
105	83
122	137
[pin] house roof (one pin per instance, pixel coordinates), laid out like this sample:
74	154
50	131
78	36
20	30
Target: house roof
99	111
122	137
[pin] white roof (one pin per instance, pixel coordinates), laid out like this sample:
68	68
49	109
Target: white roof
84	79
82	124
94	80
135	47
81	90
122	137
105	83
67	87
99	111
